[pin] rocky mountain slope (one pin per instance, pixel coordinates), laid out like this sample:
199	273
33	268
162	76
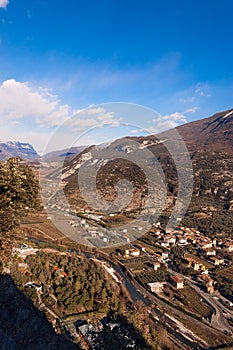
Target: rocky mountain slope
210	143
213	134
210	146
26	151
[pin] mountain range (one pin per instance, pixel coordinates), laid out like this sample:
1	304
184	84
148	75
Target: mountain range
209	142
27	152
211	134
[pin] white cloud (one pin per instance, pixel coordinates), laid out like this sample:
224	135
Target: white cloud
20	100
29	14
26	111
4	3
93	117
173	117
166	122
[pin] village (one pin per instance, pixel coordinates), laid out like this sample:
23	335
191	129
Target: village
176	266
201	256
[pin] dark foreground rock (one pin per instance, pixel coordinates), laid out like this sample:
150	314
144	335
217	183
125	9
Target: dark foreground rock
24	327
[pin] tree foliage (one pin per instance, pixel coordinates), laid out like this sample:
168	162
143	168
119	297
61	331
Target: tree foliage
18	193
78	284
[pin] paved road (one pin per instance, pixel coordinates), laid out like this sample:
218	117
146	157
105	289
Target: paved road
218	320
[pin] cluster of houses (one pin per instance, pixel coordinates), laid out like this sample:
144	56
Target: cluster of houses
157	287
182	236
209	249
134	251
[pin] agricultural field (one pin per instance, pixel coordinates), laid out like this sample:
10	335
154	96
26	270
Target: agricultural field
41	228
226	273
189	300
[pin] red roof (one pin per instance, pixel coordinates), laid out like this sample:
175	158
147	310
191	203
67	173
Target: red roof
176	279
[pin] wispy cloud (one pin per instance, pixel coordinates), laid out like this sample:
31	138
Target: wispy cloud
136	131
202	90
195	98
106	81
187	99
202	93
4	3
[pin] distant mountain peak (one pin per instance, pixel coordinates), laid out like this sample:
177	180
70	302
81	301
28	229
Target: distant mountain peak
23	150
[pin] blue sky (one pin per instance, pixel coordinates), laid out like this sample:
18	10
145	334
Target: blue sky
57	57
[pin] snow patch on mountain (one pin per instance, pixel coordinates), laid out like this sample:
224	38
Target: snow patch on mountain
227	115
68	171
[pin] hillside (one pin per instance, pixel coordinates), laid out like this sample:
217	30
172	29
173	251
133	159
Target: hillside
209	142
213	134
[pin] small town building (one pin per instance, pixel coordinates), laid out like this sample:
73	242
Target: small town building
228	246
209	252
165	256
156	287
194	264
132	252
176	282
156	265
216	260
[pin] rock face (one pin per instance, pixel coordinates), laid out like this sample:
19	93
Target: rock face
17	149
24	327
6	342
